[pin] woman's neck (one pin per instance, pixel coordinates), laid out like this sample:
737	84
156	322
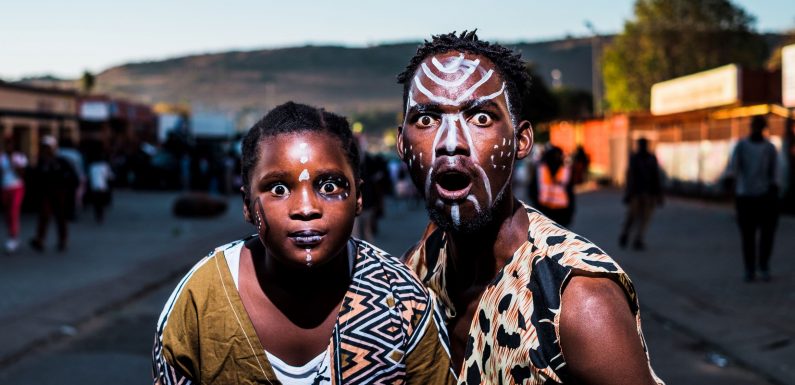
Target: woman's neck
306	295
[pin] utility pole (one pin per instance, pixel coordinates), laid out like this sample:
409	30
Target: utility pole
596	69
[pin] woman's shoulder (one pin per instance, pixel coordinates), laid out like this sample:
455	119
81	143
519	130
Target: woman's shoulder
206	276
399	275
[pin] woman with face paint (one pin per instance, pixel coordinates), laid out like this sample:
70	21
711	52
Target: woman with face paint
301	301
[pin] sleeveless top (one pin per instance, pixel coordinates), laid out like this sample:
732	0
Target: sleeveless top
514	335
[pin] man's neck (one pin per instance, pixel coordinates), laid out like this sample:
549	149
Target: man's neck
476	258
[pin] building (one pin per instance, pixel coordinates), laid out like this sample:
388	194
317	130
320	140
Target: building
117	125
28	112
693	125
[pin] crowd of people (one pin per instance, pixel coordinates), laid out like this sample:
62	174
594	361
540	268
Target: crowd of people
56	185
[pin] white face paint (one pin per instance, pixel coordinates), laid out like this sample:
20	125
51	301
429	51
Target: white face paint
309	257
453	124
454	214
304	157
304	175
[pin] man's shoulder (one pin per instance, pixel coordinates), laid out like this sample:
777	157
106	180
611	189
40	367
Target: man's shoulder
565	247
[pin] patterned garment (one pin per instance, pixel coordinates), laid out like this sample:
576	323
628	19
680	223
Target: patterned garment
513	338
387	330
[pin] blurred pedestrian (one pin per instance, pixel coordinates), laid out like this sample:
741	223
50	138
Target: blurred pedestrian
54	177
553	191
99	176
12	167
365	223
643	192
580	163
74	197
753	165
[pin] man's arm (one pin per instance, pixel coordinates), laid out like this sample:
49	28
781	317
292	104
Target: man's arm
598	334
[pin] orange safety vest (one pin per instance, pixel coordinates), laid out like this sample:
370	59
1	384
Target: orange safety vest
552	190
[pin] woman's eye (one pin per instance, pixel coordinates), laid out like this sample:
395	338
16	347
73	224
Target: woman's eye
481	119
425	121
329	188
279	190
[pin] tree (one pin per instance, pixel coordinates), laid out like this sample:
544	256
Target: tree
672	38
539	104
87	82
573	103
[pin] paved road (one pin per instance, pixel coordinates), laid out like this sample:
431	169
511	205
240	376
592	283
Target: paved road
114	347
691	275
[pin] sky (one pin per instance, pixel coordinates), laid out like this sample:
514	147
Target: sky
65	38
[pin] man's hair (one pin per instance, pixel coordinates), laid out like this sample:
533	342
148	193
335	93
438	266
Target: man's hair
509	64
291	118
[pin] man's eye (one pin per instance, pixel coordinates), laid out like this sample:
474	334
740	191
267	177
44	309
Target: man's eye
481	119
425	121
279	190
329	188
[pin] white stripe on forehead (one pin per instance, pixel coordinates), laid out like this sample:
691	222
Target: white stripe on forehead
460	98
452	64
446	83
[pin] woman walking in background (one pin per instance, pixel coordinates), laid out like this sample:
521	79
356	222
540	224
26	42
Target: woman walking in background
99	177
12	167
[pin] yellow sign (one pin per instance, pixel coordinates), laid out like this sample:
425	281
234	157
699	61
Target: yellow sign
712	88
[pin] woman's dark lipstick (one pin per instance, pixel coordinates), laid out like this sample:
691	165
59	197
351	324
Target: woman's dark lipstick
306	239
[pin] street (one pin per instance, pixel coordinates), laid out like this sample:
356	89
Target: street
693	306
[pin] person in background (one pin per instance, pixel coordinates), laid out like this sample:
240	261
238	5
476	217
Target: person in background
643	192
754	166
99	177
580	162
54	177
553	192
74	196
12	166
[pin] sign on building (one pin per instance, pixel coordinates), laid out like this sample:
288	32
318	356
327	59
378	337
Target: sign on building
788	76
96	111
713	88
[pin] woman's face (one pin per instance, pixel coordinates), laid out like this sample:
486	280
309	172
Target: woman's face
303	197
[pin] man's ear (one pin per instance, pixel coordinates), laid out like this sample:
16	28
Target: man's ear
246	205
524	139
359	196
399	142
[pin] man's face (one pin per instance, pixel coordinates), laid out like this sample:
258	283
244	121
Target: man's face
459	139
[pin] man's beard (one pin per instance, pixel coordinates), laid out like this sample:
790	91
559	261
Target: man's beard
482	219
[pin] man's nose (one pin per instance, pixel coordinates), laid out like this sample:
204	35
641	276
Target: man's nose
453	136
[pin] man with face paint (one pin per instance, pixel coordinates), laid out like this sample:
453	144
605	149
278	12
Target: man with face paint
524	299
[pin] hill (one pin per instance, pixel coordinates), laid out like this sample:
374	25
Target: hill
342	79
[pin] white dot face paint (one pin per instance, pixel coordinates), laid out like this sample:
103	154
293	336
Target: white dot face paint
304	175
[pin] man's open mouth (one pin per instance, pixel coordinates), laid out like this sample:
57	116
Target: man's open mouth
453	185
